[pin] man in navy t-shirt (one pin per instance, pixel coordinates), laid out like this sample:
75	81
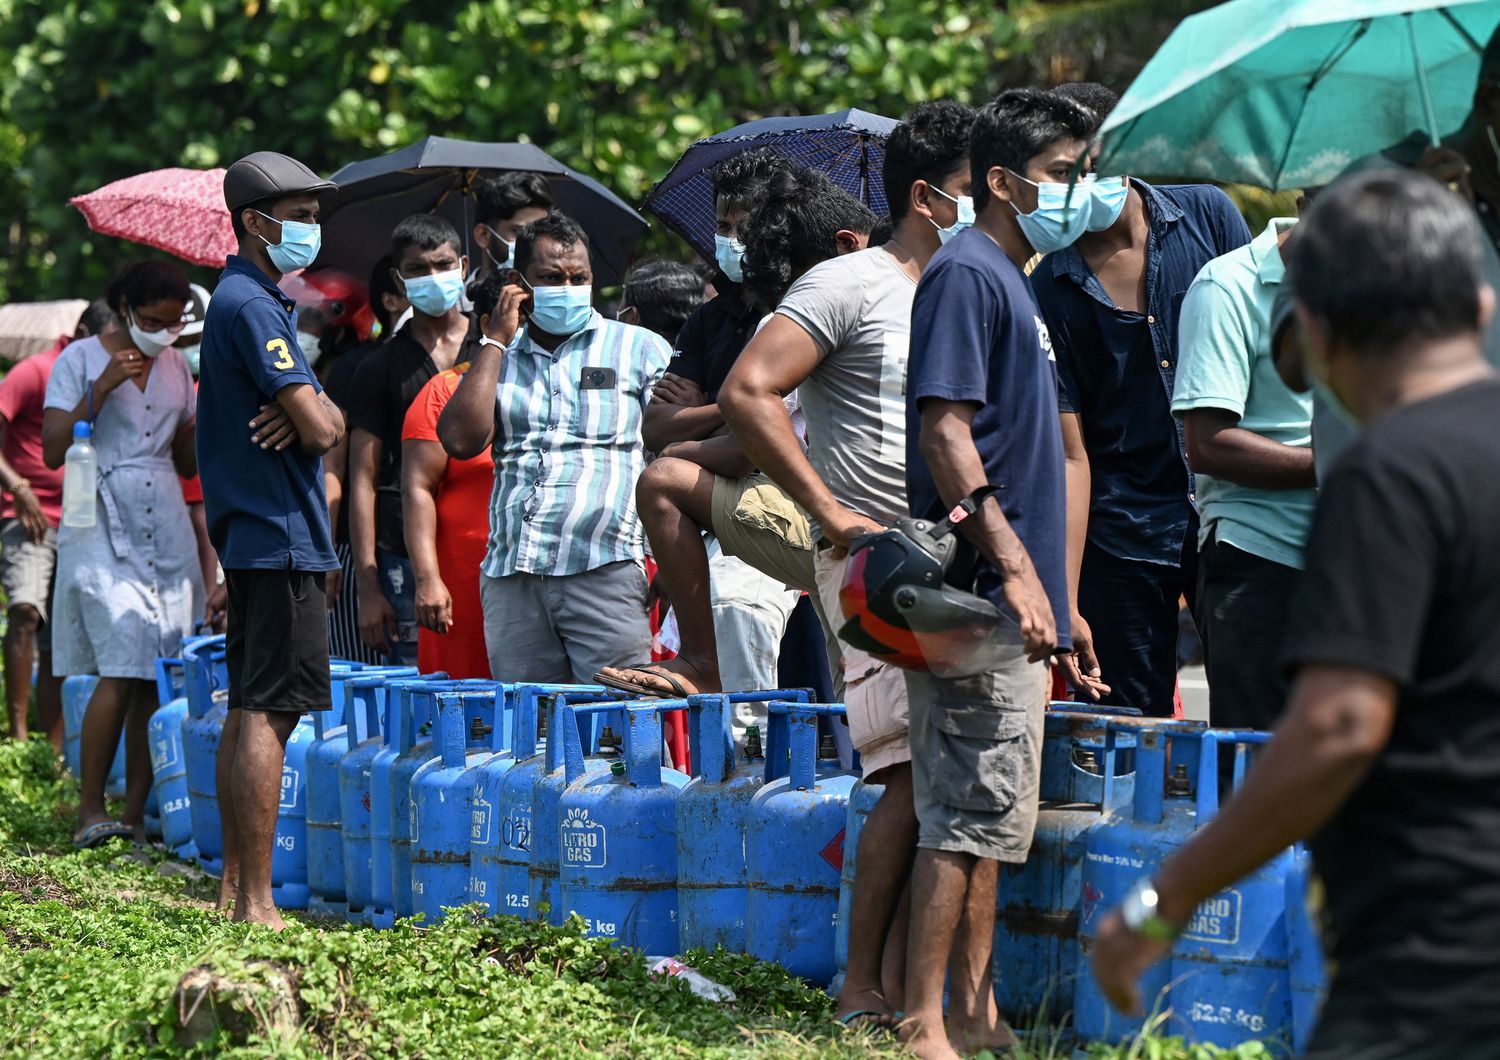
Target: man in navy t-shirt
982	411
264	424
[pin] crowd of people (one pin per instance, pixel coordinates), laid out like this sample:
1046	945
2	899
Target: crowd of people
1102	387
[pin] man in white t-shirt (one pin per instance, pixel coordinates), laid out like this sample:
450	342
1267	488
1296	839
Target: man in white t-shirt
839	339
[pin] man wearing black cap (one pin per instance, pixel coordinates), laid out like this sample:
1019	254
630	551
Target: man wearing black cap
264	424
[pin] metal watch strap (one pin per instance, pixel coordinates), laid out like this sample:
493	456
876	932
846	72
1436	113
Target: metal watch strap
1139	911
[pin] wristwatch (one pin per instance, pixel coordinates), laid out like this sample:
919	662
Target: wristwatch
1139	911
19	485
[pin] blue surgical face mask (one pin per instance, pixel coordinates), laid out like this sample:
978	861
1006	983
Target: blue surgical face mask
1056	222
299	246
1107	195
561	310
190	355
727	253
965	219
434	295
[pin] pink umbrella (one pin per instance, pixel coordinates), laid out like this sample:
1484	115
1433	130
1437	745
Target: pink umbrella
180	211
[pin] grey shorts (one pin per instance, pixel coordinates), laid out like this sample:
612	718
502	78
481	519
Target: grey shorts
27	569
976	759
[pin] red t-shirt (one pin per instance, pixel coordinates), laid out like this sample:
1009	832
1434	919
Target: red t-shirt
21	394
463	531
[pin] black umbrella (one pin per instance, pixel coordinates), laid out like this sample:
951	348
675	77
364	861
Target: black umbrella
437	175
848	145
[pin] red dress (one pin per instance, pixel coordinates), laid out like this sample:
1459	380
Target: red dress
463	531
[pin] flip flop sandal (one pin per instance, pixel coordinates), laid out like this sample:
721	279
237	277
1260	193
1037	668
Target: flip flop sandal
101	832
620	685
848	1018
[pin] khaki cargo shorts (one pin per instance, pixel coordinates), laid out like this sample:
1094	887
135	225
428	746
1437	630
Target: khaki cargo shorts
976	758
875	692
757	522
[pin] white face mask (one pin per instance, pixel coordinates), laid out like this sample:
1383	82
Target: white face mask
496	242
311	347
151	343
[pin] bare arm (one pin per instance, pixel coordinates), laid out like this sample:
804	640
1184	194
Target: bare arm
184	449
720	455
57	424
781	356
318	421
377	619
335	471
1081	666
467	424
28	508
679	412
422	466
1218	446
947	445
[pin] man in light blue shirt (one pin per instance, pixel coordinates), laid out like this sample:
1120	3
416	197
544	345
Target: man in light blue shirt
1249	442
560	400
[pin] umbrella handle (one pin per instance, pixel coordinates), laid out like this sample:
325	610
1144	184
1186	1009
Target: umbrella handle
1422	88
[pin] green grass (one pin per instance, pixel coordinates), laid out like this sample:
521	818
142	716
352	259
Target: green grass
93	946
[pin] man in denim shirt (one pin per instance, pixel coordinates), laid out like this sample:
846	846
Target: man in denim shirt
1111	302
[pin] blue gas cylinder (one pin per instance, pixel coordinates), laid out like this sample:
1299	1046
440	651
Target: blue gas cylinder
414	748
1230	967
442	794
505	863
168	768
207	684
862	801
1305	967
617	834
794	844
712	812
77	690
289	886
491	833
325	845
598	736
1087	769
364	708
398	707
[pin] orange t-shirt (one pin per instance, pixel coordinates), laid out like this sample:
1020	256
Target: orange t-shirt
463	531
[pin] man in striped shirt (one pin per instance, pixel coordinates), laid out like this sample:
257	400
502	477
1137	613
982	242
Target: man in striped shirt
558	391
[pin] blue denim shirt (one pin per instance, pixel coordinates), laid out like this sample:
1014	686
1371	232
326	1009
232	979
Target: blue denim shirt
1117	369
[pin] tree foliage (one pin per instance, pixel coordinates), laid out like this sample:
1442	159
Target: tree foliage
95	90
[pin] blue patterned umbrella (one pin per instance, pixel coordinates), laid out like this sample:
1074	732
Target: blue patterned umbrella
848	145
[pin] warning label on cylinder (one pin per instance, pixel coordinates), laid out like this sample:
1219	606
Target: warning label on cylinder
584	841
1216	921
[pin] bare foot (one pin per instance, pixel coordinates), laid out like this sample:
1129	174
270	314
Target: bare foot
989	1032
249	913
927	1038
863	1008
228	888
676	678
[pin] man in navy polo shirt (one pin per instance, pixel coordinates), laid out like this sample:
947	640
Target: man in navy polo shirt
1111	304
264	425
981	394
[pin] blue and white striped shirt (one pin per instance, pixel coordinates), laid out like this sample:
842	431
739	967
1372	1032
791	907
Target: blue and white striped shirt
568	449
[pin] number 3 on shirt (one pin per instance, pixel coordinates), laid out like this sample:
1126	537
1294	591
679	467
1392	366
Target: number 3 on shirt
283	359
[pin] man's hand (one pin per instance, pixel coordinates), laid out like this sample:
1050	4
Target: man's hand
505	321
124	364
273	428
1081	665
216	614
434	605
333	586
1121	957
29	511
1447	166
377	620
844	527
1028	601
675	390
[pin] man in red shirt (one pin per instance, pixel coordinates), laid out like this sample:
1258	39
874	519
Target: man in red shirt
28	531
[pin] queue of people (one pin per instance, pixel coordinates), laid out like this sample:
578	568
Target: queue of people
1087	401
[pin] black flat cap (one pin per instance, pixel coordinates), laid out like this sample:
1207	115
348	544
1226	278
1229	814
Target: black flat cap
269	175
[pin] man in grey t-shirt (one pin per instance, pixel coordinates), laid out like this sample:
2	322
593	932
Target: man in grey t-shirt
839	338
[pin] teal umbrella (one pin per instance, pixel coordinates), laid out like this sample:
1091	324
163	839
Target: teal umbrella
1287	93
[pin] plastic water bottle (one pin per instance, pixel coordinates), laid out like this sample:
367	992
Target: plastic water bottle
80	479
697	982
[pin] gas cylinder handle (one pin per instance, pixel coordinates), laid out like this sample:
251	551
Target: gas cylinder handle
570	716
483	710
711	728
528	700
1209	796
793	731
643	737
361	709
449	720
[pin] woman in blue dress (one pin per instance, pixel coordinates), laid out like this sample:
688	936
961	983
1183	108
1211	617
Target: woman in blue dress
125	586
